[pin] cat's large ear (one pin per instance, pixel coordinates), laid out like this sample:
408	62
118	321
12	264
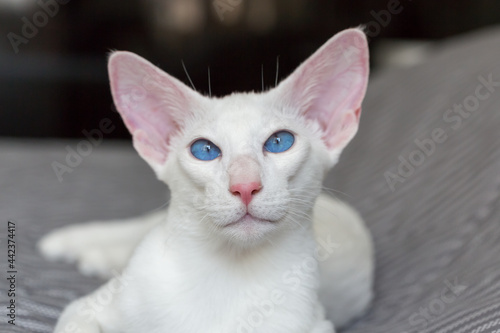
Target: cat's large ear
329	87
152	103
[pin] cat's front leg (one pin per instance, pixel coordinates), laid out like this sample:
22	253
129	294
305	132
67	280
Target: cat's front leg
73	320
99	248
97	312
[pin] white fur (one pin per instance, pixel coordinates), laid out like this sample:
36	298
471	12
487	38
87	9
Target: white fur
210	263
346	274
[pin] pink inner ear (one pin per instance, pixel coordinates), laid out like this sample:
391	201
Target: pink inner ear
330	86
339	134
150	102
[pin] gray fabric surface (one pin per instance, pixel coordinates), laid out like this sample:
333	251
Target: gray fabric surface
438	228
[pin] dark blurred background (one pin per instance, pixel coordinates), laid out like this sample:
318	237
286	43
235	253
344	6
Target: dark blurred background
53	80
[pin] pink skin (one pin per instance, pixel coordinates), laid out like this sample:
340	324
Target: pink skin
246	191
245	181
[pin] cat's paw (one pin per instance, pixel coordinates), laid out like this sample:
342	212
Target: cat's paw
94	262
61	245
78	244
73	319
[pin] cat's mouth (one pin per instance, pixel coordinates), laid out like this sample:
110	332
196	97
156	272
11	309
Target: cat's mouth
248	229
248	219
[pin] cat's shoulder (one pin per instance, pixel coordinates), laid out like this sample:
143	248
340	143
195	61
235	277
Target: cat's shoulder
332	216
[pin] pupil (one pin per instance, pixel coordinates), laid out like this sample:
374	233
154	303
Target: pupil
277	139
207	148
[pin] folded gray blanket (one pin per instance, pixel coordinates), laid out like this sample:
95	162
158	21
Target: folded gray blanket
423	171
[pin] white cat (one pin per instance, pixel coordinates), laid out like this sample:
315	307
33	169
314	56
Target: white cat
240	249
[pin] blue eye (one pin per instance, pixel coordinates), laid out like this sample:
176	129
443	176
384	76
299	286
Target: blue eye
279	142
205	150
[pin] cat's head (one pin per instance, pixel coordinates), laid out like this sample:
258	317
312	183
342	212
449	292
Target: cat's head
246	165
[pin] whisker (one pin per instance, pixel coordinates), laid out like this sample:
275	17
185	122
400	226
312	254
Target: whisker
300	200
330	190
309	216
161	207
297	222
187	74
301	214
324	189
209	84
262	76
277	70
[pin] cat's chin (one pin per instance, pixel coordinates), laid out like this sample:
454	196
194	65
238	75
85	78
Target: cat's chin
249	228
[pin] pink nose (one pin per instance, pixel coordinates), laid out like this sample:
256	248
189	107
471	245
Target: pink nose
246	191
